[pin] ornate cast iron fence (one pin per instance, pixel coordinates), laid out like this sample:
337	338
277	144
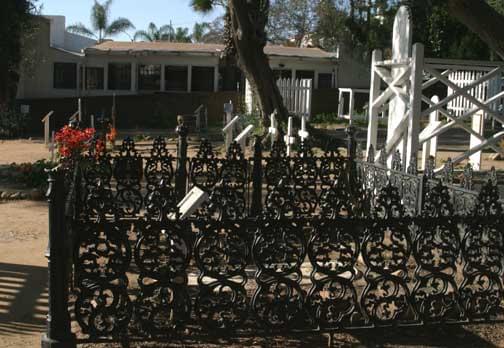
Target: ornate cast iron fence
283	244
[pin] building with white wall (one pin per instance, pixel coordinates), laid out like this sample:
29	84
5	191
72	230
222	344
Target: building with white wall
74	66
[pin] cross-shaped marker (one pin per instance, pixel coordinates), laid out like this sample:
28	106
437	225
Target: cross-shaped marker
303	133
289	138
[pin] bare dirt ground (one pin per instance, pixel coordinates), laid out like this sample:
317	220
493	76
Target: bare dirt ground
23	289
22	150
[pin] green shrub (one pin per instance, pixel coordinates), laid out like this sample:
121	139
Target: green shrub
330	117
32	175
12	123
253	119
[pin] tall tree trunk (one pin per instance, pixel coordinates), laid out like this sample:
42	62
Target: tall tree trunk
248	20
483	20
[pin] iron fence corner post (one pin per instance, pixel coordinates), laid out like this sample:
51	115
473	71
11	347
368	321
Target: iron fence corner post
256	204
58	333
181	172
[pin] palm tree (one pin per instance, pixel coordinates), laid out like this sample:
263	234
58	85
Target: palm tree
153	33
199	31
182	35
101	28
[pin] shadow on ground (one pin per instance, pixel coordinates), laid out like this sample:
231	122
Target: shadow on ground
23	299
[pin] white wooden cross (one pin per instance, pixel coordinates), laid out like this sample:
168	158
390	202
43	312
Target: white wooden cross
303	133
229	129
47	127
242	137
272	130
289	138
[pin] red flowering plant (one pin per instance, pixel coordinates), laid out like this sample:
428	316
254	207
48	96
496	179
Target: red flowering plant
71	142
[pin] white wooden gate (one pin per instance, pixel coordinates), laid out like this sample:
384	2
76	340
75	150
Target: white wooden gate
409	74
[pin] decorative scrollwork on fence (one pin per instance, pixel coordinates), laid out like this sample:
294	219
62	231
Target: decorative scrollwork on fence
162	254
333	251
436	251
128	171
483	251
102	257
221	253
386	249
279	250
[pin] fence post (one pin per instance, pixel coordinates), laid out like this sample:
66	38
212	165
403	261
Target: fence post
256	204
181	172
58	332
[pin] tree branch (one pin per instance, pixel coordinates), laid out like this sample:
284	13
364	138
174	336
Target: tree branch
482	19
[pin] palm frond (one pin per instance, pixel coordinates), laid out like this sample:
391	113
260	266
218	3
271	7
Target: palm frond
202	5
81	29
118	26
142	35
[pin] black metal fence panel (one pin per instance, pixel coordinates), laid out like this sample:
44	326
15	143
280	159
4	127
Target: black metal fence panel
283	244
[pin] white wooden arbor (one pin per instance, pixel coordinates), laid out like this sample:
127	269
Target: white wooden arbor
407	75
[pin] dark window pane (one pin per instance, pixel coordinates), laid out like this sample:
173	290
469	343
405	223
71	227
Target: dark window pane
282	74
176	78
202	79
94	78
119	75
325	81
65	76
230	79
149	77
305	74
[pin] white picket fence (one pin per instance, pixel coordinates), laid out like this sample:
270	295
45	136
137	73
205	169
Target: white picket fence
481	92
297	95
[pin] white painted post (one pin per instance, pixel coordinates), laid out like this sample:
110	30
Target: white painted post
92	121
341	103
47	127
228	130
272	130
374	93
79	115
303	133
430	146
309	94
415	107
289	138
228	111
242	137
478	122
401	50
351	106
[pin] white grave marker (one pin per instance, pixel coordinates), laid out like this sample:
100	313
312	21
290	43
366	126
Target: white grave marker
242	137
229	129
303	133
191	202
401	51
289	138
272	130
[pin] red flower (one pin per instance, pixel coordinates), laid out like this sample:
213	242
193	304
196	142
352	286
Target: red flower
72	141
